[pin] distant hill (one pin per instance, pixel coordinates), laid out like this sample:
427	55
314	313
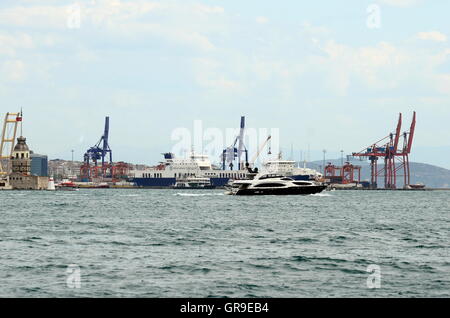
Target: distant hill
431	176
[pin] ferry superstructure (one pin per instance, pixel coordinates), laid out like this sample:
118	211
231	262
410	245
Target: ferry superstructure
288	168
172	169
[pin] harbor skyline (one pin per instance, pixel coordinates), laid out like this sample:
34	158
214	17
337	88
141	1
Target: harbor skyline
154	66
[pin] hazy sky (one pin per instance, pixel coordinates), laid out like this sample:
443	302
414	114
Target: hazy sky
332	74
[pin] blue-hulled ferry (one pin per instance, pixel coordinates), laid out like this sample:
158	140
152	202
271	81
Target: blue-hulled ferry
172	170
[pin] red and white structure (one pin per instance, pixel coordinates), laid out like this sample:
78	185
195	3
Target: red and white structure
396	156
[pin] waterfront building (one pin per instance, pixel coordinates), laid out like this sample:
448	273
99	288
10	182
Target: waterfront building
39	165
21	177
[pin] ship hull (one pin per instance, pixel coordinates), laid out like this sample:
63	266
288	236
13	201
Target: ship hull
194	188
219	182
302	177
156	183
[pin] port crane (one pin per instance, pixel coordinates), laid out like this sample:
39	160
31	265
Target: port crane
99	152
396	158
345	174
102	163
261	148
8	140
231	153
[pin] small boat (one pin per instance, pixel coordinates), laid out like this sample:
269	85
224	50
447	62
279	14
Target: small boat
416	186
193	183
273	184
66	185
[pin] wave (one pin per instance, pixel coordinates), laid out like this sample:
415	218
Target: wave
197	194
321	195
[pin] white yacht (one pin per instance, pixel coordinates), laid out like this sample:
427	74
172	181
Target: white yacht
274	184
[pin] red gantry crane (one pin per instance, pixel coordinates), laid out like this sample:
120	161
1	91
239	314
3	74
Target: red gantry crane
346	174
395	158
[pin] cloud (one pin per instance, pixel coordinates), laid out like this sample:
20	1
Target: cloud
208	9
262	20
219	61
34	16
13	70
432	36
383	67
210	73
443	83
184	24
400	3
10	42
57	16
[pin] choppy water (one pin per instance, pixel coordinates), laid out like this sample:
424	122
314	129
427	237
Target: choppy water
167	243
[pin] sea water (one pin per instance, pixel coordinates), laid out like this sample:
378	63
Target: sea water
202	243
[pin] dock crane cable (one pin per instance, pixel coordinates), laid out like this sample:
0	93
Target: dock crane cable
261	148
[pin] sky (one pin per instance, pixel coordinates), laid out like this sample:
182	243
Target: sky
328	75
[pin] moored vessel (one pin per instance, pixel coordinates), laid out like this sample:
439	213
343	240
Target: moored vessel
172	170
287	168
417	186
66	185
273	184
194	183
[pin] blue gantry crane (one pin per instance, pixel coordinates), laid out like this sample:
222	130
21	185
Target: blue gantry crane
97	153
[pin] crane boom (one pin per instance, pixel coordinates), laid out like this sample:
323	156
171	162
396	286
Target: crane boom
106	141
411	134
397	133
8	139
241	141
252	162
